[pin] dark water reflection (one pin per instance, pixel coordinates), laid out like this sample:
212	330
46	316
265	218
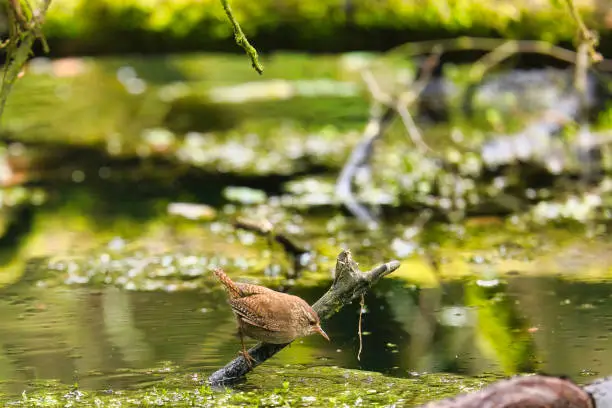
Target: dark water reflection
111	338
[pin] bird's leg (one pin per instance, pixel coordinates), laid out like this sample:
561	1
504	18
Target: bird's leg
244	351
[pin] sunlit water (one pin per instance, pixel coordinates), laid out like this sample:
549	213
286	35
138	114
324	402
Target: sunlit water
109	339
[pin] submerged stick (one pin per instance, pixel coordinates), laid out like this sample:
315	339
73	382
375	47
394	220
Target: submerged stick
349	284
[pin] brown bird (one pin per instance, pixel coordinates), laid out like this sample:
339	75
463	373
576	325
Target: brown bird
267	315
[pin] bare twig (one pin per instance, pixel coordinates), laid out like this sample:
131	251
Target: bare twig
18	14
585	36
241	39
411	127
377	94
495	57
401	101
349	284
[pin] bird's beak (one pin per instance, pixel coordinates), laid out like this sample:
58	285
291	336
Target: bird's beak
319	330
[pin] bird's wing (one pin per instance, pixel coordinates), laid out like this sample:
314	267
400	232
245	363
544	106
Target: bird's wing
252	310
246	289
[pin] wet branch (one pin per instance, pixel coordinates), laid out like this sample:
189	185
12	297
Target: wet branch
349	284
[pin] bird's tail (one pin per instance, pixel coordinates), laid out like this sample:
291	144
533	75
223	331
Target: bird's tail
229	284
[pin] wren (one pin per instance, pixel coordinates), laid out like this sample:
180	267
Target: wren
267	315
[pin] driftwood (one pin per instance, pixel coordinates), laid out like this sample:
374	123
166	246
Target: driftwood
349	284
536	391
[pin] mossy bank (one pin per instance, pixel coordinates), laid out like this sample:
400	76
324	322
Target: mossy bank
77	26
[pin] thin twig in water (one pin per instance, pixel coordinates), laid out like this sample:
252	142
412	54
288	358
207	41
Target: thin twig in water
361	306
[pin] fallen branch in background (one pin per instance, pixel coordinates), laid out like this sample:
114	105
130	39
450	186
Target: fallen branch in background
349	284
536	143
489	44
586	37
383	111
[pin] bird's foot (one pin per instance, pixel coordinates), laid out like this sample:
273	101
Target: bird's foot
247	357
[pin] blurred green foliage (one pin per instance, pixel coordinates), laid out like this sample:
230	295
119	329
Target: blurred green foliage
155	24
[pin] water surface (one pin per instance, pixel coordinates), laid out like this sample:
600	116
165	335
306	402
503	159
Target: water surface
113	339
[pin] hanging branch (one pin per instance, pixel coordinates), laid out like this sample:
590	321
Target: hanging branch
585	36
22	34
349	284
241	39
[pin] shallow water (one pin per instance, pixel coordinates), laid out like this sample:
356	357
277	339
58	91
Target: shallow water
110	339
479	318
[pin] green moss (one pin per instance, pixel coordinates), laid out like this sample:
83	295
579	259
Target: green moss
139	24
289	387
